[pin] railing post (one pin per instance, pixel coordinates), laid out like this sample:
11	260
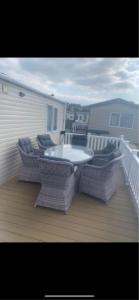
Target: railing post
122	137
126	166
88	140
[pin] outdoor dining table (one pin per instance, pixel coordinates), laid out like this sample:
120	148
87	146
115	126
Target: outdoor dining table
78	155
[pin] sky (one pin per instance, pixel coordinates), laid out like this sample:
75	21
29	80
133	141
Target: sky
78	80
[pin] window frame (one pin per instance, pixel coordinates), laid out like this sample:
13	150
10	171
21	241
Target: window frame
111	117
120	116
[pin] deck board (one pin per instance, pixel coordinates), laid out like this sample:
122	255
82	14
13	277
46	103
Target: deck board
88	220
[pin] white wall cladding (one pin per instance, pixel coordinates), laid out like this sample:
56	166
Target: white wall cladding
21	117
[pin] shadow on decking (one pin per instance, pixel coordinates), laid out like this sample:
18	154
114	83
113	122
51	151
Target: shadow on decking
88	220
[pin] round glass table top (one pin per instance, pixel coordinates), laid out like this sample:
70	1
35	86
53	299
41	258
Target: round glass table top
76	154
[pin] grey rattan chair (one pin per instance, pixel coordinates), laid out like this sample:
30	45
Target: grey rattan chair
44	141
57	184
100	179
30	161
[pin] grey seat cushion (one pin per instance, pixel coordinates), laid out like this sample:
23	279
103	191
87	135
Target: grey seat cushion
42	139
26	146
109	148
45	140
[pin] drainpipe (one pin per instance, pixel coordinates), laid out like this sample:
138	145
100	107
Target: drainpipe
63	129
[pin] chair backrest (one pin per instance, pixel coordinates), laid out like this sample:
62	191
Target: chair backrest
110	161
80	140
25	145
45	140
55	168
29	159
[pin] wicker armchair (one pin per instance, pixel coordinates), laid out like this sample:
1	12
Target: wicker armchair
79	140
57	184
100	180
30	158
44	141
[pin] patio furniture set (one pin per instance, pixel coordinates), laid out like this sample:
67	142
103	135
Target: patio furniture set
64	170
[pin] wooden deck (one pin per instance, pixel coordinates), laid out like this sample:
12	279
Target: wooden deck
88	220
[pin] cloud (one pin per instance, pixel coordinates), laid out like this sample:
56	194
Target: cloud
122	74
123	85
84	80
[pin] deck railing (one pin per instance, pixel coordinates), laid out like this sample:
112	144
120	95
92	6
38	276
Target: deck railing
94	142
130	161
97	142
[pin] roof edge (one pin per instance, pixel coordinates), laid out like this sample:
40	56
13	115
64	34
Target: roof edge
15	82
115	100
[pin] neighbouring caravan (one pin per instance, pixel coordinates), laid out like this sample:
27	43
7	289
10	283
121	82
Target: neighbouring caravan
117	116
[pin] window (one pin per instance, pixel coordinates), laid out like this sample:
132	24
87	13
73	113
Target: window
55	119
5	89
123	120
51	118
126	120
114	121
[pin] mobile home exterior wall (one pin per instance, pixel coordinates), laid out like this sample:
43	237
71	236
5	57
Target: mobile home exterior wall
22	117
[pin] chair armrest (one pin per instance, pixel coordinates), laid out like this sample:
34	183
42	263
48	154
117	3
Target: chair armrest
38	152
